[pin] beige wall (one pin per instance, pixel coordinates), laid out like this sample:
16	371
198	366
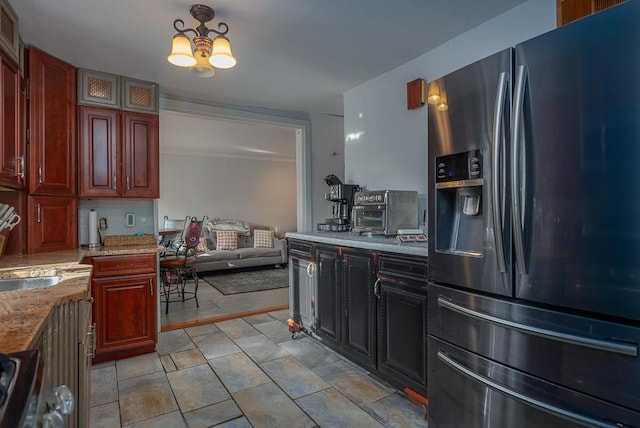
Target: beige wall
257	191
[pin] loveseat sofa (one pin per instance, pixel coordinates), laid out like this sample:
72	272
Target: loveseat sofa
250	251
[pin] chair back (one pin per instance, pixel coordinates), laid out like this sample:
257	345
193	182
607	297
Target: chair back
192	233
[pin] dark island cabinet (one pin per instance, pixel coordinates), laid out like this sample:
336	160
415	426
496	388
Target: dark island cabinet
370	306
359	327
329	306
401	288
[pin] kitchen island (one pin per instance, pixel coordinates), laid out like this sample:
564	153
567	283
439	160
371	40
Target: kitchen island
365	297
24	312
57	320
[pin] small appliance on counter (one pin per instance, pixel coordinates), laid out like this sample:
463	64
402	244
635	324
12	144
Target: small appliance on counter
385	211
342	196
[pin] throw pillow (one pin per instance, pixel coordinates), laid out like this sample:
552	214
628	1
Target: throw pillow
202	245
262	238
226	240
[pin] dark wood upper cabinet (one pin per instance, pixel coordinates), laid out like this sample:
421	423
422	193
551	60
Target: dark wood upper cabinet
52	102
52	223
570	10
12	144
141	155
119	154
99	152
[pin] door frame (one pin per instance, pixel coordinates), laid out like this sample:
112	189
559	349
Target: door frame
303	144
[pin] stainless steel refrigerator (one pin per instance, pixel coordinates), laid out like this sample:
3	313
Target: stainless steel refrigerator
534	232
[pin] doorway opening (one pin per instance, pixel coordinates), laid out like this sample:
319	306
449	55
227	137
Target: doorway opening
250	303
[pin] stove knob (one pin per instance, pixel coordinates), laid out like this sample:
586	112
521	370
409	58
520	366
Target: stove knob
64	399
53	419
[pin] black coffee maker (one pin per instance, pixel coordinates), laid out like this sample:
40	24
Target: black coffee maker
341	195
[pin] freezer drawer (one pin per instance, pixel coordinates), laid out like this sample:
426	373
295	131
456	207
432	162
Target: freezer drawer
466	390
595	357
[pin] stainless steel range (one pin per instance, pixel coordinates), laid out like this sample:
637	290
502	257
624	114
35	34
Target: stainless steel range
26	399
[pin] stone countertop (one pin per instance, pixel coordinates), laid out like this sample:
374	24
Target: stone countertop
370	242
24	312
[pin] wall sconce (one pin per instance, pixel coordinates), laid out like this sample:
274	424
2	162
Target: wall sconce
415	94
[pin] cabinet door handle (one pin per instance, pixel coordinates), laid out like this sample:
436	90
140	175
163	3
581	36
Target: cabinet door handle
114	182
151	286
92	334
310	270
21	163
128	186
40	174
38	213
376	288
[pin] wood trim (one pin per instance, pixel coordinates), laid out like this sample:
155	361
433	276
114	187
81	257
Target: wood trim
220	318
570	10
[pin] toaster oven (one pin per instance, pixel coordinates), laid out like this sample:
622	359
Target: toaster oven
384	211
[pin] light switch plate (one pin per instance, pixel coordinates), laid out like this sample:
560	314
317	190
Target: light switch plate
130	220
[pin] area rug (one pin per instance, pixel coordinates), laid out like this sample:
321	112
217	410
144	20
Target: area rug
246	281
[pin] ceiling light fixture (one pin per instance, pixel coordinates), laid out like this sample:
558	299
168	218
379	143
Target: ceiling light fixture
203	59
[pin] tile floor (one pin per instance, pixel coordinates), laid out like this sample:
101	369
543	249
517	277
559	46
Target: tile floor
244	372
215	304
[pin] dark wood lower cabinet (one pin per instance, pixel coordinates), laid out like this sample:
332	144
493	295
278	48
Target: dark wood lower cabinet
359	321
370	306
328	271
402	334
125	305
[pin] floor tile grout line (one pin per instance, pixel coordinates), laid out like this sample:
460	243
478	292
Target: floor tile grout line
364	406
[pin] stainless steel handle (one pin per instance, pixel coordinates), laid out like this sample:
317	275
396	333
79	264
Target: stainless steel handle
496	170
38	213
92	334
530	401
516	174
151	286
376	288
21	163
114	182
128	186
608	345
310	270
40	174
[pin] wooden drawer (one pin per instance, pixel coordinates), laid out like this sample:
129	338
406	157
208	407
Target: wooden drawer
106	266
406	267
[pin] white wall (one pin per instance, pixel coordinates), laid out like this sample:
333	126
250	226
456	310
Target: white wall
258	191
386	144
327	157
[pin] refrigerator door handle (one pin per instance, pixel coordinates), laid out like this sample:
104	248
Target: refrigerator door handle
530	401
496	175
516	174
613	346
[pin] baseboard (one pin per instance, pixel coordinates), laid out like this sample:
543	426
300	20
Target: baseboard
220	318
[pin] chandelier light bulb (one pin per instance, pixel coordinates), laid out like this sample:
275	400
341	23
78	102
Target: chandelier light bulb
181	52
221	56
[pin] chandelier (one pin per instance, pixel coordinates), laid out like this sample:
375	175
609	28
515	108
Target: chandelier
208	54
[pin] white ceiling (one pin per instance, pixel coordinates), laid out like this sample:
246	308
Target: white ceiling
292	54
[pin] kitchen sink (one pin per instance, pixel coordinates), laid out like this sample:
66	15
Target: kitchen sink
12	284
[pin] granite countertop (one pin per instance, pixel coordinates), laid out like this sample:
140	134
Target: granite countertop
370	242
24	312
